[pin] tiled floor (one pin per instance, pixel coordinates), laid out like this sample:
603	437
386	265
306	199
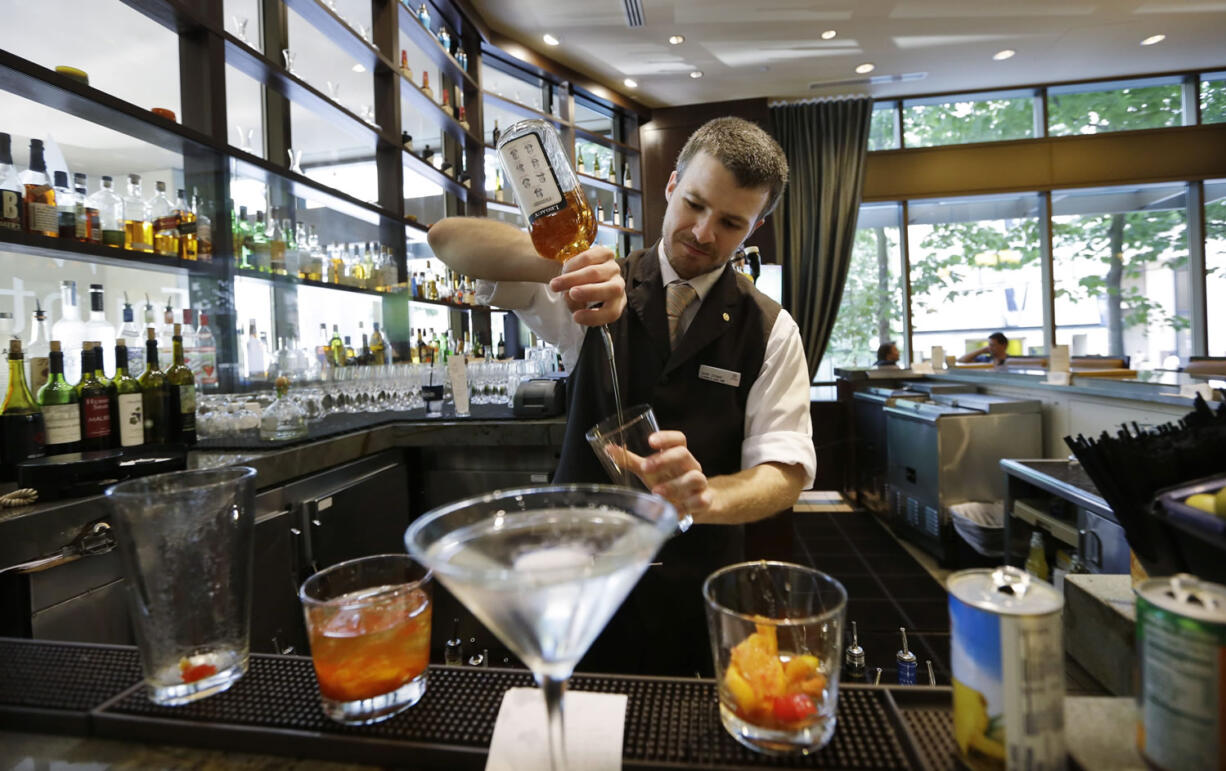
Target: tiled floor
886	588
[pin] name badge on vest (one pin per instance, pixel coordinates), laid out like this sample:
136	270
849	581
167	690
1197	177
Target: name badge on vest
716	375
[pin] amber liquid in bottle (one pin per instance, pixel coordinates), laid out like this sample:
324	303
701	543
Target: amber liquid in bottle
566	232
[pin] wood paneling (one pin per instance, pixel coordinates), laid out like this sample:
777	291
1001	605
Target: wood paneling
661	141
1157	155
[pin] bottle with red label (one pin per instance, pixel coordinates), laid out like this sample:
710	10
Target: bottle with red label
95	402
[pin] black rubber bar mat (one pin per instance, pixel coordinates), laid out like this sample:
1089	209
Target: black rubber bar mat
670	723
51	687
926	718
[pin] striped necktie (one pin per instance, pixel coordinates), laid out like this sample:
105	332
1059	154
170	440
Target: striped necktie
678	296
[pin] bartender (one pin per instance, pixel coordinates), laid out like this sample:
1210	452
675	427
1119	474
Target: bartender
887	354
721	364
996	351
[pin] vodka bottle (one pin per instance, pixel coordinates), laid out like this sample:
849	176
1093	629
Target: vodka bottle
70	331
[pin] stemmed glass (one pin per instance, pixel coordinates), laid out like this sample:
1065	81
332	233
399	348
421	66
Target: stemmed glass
544	569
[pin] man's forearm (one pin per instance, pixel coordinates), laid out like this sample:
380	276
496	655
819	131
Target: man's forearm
490	250
753	494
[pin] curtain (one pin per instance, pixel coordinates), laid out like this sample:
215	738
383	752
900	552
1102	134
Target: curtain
815	225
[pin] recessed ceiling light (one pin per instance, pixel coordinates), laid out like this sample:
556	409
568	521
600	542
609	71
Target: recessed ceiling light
1152	39
865	68
550	40
1007	53
631	83
676	40
829	34
696	74
359	68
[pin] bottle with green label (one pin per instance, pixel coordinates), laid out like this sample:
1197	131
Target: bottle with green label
21	420
127	407
181	385
60	405
154	398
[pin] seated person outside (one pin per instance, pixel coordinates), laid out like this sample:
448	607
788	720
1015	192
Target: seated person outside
996	351
887	355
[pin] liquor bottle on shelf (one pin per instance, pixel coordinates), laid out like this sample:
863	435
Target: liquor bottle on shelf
38	365
6	333
261	248
22	434
181	384
497	134
378	349
447	102
204	228
276	245
38	195
365	356
206	353
425	85
502	347
405	69
150	323
154	397
65	206
166	331
98	328
95	402
599	209
579	167
85	218
137	227
424	352
257	367
127	403
595	164
626	175
60	405
499	195
368	267
164	217
316	258
129	332
242	240
461	57
189	245
463	118
629	220
295	246
423	16
617	217
69	330
612	172
11	192
190	351
444	38
336	348
110	209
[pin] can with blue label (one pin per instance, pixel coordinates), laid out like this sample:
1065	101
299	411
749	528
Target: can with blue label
1007	662
1181	698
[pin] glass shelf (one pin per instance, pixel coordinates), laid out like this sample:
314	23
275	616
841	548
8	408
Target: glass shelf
287	280
416	98
67	248
493	102
428	44
598	139
612	187
347	38
445	304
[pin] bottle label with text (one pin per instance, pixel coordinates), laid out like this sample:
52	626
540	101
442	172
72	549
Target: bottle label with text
96	411
10	210
536	185
131	420
62	423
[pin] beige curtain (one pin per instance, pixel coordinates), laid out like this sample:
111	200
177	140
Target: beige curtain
815	224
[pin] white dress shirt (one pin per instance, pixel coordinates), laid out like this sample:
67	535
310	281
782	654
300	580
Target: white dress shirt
777	424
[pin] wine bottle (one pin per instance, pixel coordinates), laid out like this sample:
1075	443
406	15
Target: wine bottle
154	400
21	421
95	402
60	405
127	410
181	385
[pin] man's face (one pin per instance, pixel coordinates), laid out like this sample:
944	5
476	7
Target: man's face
997	349
708	216
892	355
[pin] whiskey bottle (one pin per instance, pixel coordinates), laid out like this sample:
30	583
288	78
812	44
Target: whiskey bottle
378	349
127	408
88	224
189	247
95	402
181	385
11	191
38	195
560	221
165	219
110	209
60	405
21	421
38	350
65	206
154	398
137	229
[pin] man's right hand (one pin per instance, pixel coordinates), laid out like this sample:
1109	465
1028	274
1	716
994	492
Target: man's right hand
593	287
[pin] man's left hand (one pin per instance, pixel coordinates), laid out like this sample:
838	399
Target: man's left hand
673	473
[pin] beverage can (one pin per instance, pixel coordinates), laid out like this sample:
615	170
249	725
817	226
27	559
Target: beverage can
1181	697
1007	662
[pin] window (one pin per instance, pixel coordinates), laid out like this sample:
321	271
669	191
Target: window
1213	97
1215	265
948	120
1125	105
1120	267
883	133
975	270
872	309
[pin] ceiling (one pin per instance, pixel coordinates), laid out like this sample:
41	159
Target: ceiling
774	48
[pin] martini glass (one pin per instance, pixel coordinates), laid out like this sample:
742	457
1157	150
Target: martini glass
544	569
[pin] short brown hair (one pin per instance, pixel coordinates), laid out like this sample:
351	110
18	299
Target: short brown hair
752	155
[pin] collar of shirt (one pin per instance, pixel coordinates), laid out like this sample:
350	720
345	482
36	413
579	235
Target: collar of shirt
702	284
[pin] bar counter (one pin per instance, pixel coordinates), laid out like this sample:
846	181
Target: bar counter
91	698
